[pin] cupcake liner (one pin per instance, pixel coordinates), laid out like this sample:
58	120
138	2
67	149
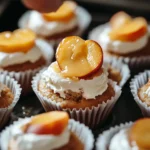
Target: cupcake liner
25	77
121	67
16	90
80	130
104	139
83	16
137	82
90	117
134	62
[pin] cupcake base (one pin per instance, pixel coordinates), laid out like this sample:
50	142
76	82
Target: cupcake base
91	117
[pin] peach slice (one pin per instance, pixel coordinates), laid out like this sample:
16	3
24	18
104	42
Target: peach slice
140	133
79	58
119	19
131	31
64	13
20	40
48	123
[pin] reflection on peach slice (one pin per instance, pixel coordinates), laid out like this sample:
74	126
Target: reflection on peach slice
21	40
64	13
131	31
119	19
79	58
49	123
140	133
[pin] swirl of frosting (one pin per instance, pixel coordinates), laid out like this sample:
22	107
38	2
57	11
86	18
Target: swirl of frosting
42	27
90	88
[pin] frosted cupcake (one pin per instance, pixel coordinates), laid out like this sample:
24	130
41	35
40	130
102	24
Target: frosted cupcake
130	136
22	55
69	19
47	131
77	82
140	88
9	95
124	38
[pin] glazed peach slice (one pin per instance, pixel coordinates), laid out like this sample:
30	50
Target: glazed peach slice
78	58
140	133
131	31
48	123
21	40
119	19
64	13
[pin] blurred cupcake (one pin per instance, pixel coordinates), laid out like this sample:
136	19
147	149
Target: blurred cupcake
69	19
140	88
9	95
117	71
124	38
22	55
129	136
77	82
47	131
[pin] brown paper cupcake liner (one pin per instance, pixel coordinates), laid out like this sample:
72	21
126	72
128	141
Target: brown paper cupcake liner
137	82
104	139
121	67
24	78
134	62
90	117
80	130
84	19
16	90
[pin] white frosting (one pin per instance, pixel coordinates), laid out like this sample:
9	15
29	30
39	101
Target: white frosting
120	46
42	27
147	92
32	56
89	88
28	141
120	141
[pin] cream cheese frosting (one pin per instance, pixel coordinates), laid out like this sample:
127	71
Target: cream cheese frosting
34	54
28	141
120	141
44	28
120	46
89	88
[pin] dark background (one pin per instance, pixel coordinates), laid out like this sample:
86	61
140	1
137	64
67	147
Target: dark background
126	109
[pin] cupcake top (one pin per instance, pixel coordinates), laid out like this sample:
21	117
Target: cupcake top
46	131
78	69
144	93
134	138
124	34
48	24
6	96
18	47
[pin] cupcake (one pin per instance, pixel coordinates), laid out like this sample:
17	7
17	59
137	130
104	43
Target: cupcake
77	82
9	95
140	88
47	131
22	55
69	19
124	38
117	71
129	136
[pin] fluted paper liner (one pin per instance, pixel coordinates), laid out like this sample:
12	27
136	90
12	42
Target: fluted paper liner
84	19
103	141
134	62
16	90
80	130
90	117
121	67
25	77
137	82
